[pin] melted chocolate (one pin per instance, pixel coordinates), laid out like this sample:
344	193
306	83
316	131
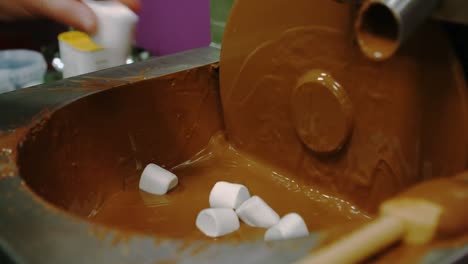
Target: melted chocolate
409	119
87	159
174	214
405	127
92	148
401	122
8	154
452	195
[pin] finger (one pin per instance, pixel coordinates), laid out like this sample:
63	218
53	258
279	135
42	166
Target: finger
135	5
70	12
10	10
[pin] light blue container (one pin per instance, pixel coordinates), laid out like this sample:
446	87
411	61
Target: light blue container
21	68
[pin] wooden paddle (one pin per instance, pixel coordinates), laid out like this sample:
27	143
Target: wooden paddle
416	216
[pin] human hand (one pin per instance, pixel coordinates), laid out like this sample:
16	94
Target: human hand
73	13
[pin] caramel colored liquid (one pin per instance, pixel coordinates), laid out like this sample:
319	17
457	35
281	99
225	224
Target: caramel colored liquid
173	215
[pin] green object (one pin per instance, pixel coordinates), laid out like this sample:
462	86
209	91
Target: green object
219	10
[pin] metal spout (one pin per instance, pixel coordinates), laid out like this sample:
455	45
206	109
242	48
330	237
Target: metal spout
383	25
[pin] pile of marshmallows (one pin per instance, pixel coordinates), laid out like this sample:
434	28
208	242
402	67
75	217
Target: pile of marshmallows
229	202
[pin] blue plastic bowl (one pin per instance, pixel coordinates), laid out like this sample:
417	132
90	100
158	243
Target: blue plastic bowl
21	68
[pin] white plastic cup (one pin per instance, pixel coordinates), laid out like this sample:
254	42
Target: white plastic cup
115	32
80	55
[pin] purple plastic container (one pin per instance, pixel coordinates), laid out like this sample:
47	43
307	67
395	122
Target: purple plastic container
169	26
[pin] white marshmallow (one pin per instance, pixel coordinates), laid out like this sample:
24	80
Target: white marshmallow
255	212
157	180
290	226
215	222
228	195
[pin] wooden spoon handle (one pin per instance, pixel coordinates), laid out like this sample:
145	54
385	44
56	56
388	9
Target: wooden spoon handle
361	243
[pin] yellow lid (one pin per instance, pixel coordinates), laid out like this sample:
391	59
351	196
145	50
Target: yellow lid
79	40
